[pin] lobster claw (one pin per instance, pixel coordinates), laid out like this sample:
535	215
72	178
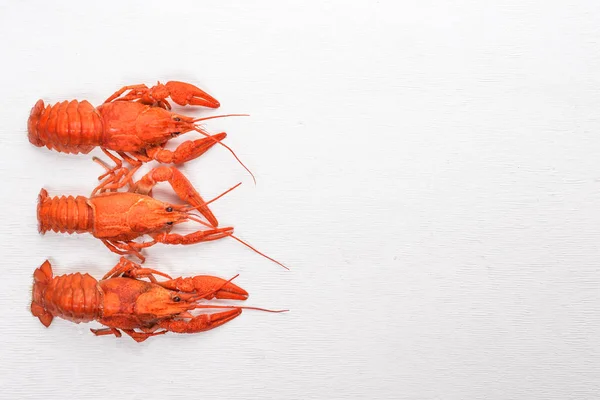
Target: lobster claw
200	323
187	94
180	184
207	287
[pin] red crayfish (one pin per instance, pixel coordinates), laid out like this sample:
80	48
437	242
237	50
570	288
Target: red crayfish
122	301
137	126
117	218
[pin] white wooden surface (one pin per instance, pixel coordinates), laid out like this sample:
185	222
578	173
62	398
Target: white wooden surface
429	169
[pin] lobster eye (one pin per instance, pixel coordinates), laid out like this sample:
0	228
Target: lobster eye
169	209
175	134
176	119
176	299
170	223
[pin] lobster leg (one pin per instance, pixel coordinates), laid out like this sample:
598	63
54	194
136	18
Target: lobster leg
114	158
125	248
180	184
112	171
136	91
207	287
115	179
113	248
106	331
137	336
195	237
141	336
186	151
133	248
200	323
130	269
109	170
132	161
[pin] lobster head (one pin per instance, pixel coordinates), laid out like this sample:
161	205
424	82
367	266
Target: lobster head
136	300
151	215
157	126
156	301
163	303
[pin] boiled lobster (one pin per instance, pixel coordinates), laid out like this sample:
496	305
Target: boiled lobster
121	300
117	218
137	126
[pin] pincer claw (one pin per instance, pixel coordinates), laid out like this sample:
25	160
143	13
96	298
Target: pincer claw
207	287
184	94
200	323
229	291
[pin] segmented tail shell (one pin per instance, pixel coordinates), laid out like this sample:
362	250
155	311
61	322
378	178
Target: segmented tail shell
64	214
74	297
67	127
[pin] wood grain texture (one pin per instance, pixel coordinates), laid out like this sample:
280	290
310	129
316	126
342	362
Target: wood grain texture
429	170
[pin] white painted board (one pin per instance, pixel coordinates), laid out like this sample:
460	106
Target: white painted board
428	169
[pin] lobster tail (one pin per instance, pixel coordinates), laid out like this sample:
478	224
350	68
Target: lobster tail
67	127
74	297
63	214
41	277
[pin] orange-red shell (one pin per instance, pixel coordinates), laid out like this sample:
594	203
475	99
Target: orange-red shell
117	216
64	214
67	127
78	127
123	298
74	297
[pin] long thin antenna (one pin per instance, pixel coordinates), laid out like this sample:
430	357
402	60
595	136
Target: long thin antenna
220	116
238	239
262	254
222	194
215	199
238	307
198	129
